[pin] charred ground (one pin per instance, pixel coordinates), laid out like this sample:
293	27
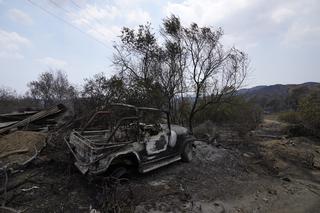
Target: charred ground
265	172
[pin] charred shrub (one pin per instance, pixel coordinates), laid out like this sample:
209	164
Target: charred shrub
296	130
206	130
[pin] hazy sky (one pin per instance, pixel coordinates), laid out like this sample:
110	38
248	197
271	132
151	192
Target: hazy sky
282	37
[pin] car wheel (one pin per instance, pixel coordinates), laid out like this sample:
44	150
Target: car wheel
187	154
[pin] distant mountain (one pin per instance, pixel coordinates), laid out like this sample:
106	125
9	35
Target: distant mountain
279	97
251	90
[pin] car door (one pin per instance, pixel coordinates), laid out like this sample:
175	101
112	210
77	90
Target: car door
157	143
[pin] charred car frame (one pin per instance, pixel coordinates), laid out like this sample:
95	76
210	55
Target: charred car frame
130	143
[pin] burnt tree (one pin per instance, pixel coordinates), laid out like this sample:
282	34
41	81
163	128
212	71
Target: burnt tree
183	61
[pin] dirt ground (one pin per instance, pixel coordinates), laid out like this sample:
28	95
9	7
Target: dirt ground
27	143
258	174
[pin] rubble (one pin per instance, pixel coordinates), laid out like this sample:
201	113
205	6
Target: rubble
208	153
30	120
19	148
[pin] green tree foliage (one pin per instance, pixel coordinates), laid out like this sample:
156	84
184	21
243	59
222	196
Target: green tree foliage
295	95
7	93
148	68
182	60
306	119
11	101
292	117
309	108
100	90
52	87
8	98
243	115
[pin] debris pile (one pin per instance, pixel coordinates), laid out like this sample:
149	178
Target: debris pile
22	137
207	152
20	146
30	120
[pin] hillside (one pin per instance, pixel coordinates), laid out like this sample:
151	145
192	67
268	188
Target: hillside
279	97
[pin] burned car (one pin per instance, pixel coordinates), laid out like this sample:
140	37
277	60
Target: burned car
136	138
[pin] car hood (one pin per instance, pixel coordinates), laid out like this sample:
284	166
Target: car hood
179	129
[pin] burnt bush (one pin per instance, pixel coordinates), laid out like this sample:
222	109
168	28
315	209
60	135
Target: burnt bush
206	130
297	130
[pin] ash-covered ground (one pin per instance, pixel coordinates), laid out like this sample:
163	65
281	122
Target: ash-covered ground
257	174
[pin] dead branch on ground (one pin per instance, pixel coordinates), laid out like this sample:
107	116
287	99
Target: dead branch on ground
19	151
32	158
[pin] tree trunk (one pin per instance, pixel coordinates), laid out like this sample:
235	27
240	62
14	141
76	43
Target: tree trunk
190	122
170	110
192	112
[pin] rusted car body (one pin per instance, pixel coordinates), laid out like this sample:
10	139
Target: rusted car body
129	142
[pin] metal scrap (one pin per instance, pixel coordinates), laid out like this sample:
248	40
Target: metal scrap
31	119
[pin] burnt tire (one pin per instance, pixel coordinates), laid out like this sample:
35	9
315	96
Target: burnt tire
187	153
